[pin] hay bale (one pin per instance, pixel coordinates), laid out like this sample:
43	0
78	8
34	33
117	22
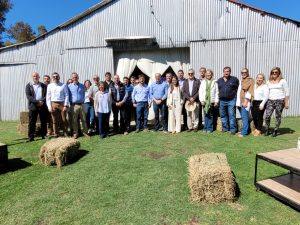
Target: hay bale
23	129
59	151
219	124
211	179
24	118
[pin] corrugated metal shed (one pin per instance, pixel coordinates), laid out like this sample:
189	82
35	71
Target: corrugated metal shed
217	32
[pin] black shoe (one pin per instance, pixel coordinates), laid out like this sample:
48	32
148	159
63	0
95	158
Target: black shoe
232	133
274	134
267	133
30	140
196	130
189	130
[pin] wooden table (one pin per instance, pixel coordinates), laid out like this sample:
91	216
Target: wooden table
285	187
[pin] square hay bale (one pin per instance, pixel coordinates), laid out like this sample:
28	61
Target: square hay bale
219	124
24	118
211	179
59	151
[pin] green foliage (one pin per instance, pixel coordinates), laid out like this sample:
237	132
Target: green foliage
21	32
5	6
41	29
139	179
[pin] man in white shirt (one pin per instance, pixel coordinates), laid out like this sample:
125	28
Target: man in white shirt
58	103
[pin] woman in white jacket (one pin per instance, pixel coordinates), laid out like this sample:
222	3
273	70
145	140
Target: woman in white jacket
174	103
209	98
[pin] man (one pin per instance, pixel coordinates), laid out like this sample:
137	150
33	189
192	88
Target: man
76	97
202	72
58	102
92	92
168	79
191	96
36	96
108	82
141	101
228	86
158	95
129	110
46	80
119	97
132	81
181	80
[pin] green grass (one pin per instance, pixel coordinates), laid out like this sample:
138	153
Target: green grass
120	182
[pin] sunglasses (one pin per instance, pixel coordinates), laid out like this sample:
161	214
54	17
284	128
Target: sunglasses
191	73
243	72
276	72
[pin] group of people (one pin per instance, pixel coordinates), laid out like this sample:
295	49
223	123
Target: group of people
62	106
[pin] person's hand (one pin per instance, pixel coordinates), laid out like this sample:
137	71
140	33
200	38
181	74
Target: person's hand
149	105
203	103
65	109
261	107
170	107
216	105
134	105
286	106
192	99
245	103
158	102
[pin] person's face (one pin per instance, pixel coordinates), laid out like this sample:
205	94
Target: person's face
75	78
96	80
101	87
157	77
208	75
191	74
137	81
46	80
142	80
244	74
180	75
226	73
87	85
174	81
35	77
202	72
125	81
132	80
259	79
168	77
55	78
116	79
275	74
70	81
108	78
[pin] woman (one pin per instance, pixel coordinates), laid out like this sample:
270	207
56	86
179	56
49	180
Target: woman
88	105
174	103
209	98
278	99
244	96
261	95
102	105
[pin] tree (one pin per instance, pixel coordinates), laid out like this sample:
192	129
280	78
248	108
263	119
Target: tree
7	43
21	32
5	6
41	29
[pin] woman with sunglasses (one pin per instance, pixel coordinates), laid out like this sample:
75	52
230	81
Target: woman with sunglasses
278	99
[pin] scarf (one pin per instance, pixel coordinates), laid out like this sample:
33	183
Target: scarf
247	86
207	95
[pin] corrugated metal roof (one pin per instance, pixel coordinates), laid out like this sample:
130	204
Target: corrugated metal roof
106	2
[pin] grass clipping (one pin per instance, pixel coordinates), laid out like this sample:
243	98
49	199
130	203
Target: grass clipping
211	179
59	151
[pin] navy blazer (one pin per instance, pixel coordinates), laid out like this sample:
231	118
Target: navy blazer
32	102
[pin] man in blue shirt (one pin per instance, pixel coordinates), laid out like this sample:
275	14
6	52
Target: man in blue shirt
76	97
228	86
141	101
158	95
128	104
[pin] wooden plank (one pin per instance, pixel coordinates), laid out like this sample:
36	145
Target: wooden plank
287	186
289	157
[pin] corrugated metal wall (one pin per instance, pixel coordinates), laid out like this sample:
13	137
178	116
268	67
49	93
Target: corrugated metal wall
268	41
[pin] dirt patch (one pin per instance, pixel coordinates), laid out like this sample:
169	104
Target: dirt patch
156	155
42	222
237	206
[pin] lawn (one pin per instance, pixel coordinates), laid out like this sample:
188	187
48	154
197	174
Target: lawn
138	179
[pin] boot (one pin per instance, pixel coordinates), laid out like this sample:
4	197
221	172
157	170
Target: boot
274	134
267	133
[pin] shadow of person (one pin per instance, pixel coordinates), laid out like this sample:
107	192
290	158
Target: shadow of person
285	130
14	165
81	154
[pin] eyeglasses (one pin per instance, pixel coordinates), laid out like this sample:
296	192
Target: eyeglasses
191	73
275	72
55	76
243	72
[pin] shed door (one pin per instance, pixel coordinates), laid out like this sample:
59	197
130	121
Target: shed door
217	54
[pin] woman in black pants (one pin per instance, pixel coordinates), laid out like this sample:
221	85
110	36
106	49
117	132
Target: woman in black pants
261	95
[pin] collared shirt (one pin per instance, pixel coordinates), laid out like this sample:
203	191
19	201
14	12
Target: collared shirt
37	91
228	89
159	90
191	83
141	93
129	90
57	93
93	90
117	87
77	93
181	82
104	104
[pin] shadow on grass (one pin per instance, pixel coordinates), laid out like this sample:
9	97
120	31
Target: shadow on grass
285	130
14	165
237	188
81	154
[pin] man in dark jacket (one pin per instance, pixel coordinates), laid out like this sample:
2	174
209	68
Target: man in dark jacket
119	97
36	95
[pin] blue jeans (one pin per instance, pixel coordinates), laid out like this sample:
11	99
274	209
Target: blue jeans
245	120
227	112
163	110
209	119
142	109
103	119
89	113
